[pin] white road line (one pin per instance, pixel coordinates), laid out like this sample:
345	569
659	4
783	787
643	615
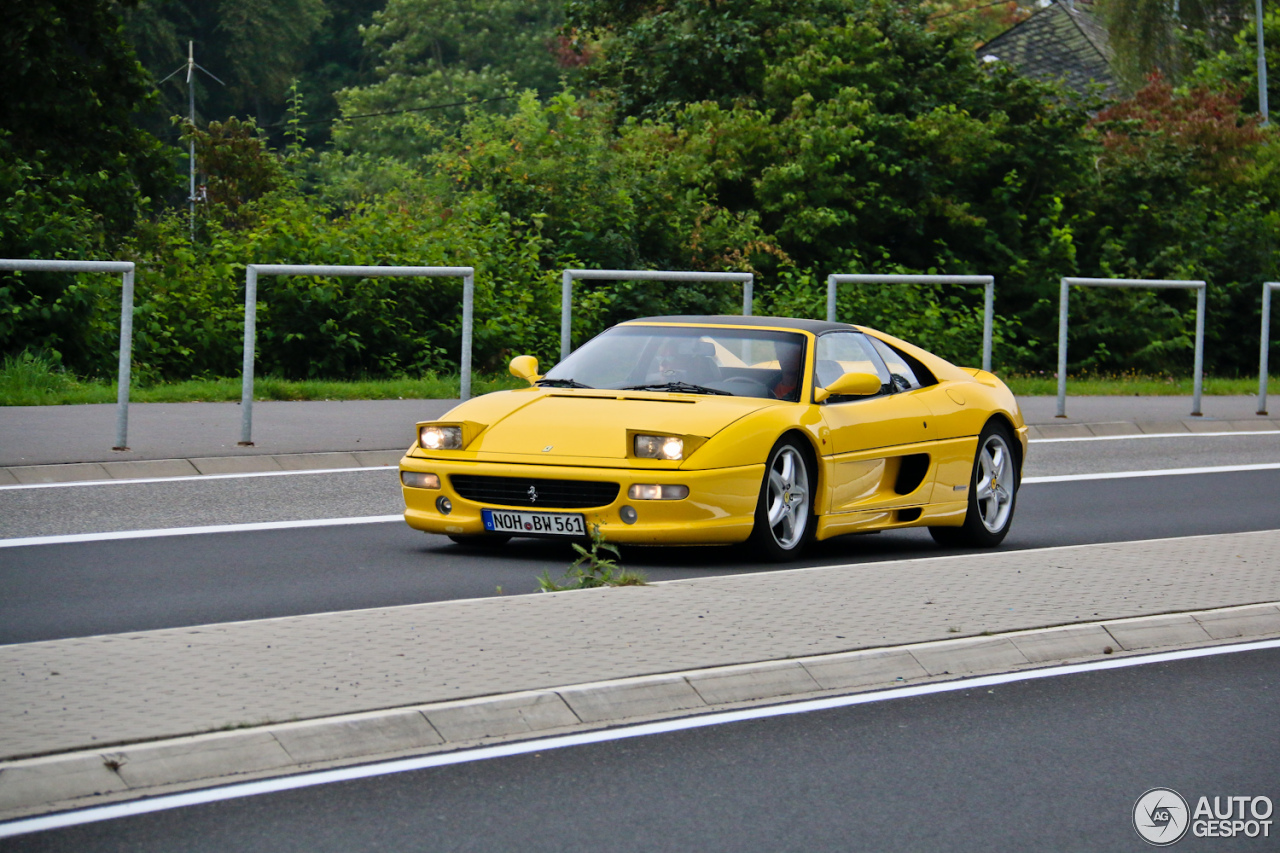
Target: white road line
247	474
1276	433
379	519
126	482
347	774
1159	472
189	531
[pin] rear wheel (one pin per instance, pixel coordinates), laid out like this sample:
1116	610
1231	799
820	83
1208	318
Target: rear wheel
993	491
784	512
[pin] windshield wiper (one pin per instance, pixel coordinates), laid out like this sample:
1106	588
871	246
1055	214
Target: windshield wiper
561	383
681	387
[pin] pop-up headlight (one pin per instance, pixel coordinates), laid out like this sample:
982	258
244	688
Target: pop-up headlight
433	437
669	447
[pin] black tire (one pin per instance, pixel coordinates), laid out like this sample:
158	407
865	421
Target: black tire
480	540
787	493
993	493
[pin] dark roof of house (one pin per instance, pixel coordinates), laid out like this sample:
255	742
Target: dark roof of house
1064	40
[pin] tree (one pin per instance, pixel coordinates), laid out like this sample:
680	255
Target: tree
1163	35
1186	187
72	88
257	47
75	173
433	55
1237	63
658	55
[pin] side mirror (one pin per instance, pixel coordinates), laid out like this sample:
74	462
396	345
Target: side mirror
525	367
850	385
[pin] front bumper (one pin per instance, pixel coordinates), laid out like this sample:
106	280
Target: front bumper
720	508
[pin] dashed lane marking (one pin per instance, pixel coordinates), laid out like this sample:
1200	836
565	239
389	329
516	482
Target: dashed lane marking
190	531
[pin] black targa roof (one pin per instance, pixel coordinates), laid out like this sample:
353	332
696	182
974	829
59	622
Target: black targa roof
817	327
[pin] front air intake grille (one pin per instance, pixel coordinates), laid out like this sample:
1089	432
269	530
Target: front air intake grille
533	492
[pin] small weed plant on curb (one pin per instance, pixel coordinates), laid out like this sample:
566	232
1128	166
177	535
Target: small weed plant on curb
592	568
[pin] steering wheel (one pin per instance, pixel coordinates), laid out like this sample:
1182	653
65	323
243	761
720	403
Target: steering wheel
753	388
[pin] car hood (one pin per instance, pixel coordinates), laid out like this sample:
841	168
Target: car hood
579	423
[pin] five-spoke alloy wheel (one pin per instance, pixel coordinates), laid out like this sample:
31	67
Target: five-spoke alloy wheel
784	513
993	489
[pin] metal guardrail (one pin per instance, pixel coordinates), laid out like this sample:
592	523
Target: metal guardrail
1157	283
252	271
988	303
569	276
1264	346
126	269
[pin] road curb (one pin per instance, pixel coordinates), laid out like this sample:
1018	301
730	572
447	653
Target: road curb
93	777
1114	429
18	476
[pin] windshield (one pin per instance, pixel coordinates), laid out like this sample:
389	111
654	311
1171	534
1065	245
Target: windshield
706	360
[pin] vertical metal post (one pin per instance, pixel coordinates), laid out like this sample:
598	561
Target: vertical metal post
191	108
748	296
126	362
566	312
988	299
1264	346
468	309
250	337
988	321
1262	66
1201	292
1062	350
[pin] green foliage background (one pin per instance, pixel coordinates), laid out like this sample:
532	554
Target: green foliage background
792	140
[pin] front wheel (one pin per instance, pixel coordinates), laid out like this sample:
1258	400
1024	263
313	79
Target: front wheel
784	513
993	491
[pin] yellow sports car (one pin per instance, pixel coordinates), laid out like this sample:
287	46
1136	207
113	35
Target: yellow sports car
707	430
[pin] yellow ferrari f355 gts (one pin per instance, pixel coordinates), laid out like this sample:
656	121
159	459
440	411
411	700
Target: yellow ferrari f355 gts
711	430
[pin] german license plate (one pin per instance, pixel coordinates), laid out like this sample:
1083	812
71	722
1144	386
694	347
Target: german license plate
534	523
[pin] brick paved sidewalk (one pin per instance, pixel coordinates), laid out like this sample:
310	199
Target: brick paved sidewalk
97	691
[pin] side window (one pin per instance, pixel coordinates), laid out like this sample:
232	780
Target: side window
907	372
904	378
839	353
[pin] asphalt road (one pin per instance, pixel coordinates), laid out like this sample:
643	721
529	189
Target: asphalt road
1054	764
203	501
58	591
68	590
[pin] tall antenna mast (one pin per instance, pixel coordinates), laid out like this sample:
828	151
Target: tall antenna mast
190	67
1262	68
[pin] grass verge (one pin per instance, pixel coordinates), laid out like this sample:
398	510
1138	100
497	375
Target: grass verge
1134	385
32	380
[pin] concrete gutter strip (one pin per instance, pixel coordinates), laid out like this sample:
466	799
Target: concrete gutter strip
1148	427
86	472
93	777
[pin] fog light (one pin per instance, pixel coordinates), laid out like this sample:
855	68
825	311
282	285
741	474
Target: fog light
628	514
444	505
654	492
417	480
